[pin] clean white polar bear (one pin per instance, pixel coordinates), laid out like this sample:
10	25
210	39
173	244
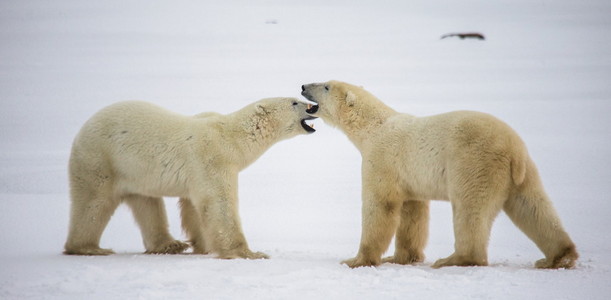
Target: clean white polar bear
472	159
135	152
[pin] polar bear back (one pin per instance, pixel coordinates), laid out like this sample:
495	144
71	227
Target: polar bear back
422	149
128	139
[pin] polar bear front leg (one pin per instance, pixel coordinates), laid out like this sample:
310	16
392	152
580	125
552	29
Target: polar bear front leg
412	233
224	229
193	225
380	218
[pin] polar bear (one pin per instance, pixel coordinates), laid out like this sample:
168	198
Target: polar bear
136	152
472	159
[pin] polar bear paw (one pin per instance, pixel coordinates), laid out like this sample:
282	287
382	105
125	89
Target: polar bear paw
257	255
172	247
565	260
88	251
564	263
459	261
199	247
407	259
244	253
360	261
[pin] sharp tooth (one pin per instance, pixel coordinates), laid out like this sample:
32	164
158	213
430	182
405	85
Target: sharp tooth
312	125
309	106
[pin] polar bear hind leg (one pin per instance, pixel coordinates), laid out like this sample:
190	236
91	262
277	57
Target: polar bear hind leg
532	211
412	234
91	210
150	215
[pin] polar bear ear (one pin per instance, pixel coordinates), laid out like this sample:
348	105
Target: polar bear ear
350	98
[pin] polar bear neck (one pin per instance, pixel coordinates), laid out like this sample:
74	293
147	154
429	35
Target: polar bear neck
254	134
363	119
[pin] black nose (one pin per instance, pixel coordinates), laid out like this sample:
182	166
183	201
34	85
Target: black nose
303	88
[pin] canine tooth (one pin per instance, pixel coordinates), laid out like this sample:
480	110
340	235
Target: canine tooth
309	106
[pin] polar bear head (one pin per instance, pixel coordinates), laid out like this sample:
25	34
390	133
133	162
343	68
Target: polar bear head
285	117
338	102
331	98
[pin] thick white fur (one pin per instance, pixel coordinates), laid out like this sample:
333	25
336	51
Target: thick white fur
472	159
135	152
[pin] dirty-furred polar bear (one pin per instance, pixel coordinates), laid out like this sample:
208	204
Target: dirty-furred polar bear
472	159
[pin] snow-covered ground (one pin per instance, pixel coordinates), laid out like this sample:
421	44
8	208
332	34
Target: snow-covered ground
545	68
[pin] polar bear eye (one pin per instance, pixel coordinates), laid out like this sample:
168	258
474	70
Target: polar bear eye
326	87
294	103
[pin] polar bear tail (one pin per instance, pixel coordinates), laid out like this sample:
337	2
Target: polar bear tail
518	168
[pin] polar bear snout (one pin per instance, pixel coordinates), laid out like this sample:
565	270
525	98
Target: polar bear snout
306	91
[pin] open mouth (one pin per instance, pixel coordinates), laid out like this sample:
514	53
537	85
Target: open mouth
312	109
309	128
